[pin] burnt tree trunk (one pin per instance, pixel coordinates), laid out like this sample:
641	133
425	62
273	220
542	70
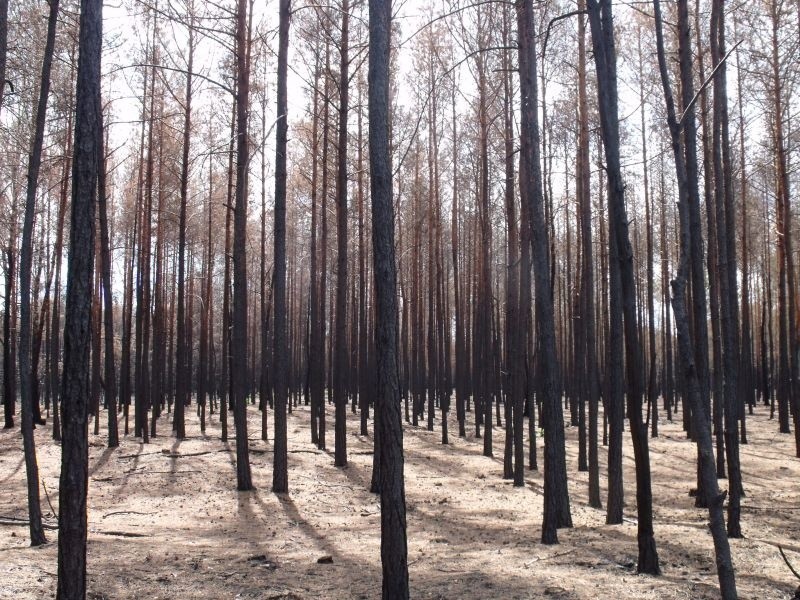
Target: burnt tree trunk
239	317
25	269
556	497
583	192
340	357
394	553
181	374
108	302
280	483
705	449
74	479
623	288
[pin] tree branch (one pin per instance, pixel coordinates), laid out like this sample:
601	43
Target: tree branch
786	560
553	21
706	82
222	86
450	14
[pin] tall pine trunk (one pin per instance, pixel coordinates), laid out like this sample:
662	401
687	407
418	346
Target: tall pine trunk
394	553
556	497
239	317
280	477
623	290
25	268
74	479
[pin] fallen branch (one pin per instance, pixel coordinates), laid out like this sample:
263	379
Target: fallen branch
123	534
163	472
17	522
47	495
127	512
262	451
788	564
538	558
451	570
178	455
323	483
124	456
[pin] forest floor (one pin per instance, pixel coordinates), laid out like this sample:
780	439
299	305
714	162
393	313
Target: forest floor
166	522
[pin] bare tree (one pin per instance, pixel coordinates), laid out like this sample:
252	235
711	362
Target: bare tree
622	286
556	497
25	267
280	483
239	318
702	429
75	384
394	551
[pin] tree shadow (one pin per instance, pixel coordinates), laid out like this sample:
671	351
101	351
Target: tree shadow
101	460
16	470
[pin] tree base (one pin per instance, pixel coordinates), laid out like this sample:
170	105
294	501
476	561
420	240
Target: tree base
648	557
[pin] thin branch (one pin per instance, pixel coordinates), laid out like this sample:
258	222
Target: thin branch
434	86
788	564
450	14
553	21
47	495
706	82
331	7
222	86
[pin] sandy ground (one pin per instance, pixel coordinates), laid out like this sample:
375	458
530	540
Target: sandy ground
471	534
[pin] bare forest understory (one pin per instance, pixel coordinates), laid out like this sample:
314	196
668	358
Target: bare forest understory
165	521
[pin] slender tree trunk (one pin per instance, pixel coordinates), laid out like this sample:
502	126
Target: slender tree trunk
239	318
726	263
394	553
363	375
9	372
159	382
108	302
458	302
601	23
280	483
340	362
263	318
668	384
142	368
74	479
786	290
225	383
709	387
25	268
652	401
556	497
323	267
746	380
315	325
514	363
592	384
55	323
181	351
97	332
484	304
705	451
39	328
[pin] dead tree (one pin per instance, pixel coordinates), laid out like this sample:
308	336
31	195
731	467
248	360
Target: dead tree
74	479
